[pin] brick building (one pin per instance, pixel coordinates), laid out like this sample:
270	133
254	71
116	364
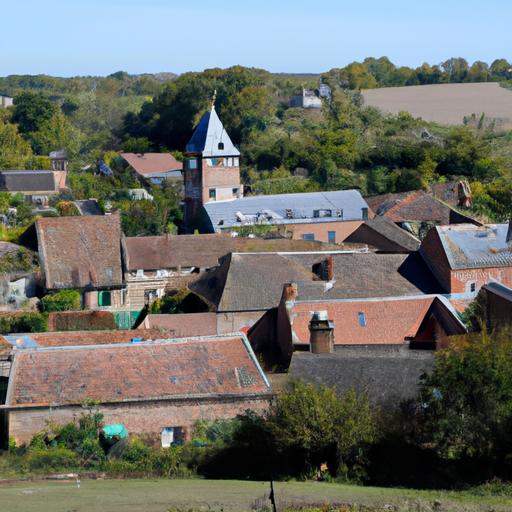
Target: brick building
212	171
465	257
146	386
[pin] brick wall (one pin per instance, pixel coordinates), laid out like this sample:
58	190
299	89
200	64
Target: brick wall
138	417
461	279
433	249
81	320
321	230
235	322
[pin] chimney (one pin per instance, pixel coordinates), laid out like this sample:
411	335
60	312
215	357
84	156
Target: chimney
321	334
509	232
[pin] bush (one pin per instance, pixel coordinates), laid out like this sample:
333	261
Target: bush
54	458
64	300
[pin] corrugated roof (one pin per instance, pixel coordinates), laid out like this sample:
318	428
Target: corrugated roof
167	369
469	246
152	163
273	208
80	252
207	136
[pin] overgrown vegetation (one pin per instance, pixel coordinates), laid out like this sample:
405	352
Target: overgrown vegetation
63	300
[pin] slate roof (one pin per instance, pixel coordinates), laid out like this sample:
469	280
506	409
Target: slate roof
207	136
28	181
387	321
224	214
367	275
469	246
80	252
166	252
162	370
389	230
89	207
147	164
249	282
388	380
499	289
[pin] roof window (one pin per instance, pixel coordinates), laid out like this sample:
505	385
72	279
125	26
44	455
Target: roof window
221	146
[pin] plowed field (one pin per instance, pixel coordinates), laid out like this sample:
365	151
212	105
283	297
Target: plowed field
445	103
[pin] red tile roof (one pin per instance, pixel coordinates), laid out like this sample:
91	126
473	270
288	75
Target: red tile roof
199	367
80	252
152	163
80	338
387	321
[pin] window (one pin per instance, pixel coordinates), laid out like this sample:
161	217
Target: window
339	213
235	162
473	287
331	236
362	319
364	212
212	193
316	214
191	164
308	237
221	146
235	191
140	274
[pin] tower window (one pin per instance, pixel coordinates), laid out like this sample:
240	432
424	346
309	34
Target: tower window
221	145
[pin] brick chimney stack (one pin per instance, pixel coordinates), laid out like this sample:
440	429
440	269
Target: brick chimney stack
321	337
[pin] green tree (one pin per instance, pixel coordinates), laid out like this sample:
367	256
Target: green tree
467	399
317	420
14	149
31	111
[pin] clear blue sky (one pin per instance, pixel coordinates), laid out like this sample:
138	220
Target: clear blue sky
93	37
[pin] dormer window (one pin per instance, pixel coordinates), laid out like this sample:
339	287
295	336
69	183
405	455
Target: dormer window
221	146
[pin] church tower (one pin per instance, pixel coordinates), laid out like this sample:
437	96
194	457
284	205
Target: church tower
212	169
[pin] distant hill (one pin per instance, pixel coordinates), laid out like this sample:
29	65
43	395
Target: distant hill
445	103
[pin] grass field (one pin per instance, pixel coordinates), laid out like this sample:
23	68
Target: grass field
228	496
445	103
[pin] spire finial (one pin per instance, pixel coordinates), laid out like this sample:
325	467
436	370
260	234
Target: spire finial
214	98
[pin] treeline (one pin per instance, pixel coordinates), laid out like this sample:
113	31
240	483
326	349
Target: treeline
345	144
382	72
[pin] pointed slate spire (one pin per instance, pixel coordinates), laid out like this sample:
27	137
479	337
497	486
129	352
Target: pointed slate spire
210	138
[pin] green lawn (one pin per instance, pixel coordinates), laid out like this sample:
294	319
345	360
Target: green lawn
206	495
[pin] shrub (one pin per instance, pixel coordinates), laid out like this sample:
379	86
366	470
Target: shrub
64	300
